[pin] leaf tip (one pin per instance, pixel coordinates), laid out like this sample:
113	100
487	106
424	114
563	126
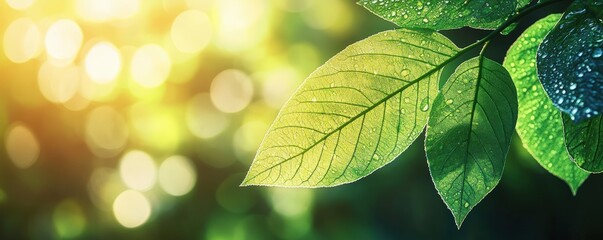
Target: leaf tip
459	219
458	225
574	186
574	189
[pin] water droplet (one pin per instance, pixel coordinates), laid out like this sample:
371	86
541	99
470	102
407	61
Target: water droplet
597	52
375	156
314	99
332	84
406	100
449	101
560	100
550	165
405	72
425	104
573	86
425	20
466	204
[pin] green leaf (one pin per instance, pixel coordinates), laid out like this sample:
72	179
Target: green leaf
469	133
570	61
584	142
441	15
356	113
539	123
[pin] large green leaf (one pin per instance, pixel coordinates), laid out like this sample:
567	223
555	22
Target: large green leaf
570	61
356	113
469	133
584	142
440	15
539	123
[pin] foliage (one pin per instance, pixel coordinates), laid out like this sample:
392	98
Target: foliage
366	105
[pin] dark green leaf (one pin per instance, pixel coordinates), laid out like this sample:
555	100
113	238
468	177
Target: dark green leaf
355	113
570	61
584	142
449	14
469	133
539	123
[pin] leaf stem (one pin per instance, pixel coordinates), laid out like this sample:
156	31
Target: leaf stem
508	23
481	53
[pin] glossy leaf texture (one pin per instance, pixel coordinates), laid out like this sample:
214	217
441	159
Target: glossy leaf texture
539	123
442	15
469	133
584	142
356	113
570	61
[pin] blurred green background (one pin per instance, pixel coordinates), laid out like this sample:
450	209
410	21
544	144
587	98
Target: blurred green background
138	120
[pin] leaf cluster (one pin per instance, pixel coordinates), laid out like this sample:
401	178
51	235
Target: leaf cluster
368	103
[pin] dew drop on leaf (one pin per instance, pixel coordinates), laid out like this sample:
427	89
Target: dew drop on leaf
425	104
405	73
597	53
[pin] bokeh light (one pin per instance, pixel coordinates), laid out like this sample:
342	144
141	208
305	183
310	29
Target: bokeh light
58	84
191	31
106	10
231	91
106	132
136	119
22	146
150	66
69	220
131	209
22	40
20	4
63	41
138	170
203	119
247	139
103	62
241	24
177	175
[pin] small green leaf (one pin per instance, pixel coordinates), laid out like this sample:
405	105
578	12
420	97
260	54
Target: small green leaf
539	123
570	61
469	133
441	15
356	113
584	142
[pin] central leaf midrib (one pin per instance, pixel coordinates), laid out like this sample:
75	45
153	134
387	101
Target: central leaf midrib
368	109
479	79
